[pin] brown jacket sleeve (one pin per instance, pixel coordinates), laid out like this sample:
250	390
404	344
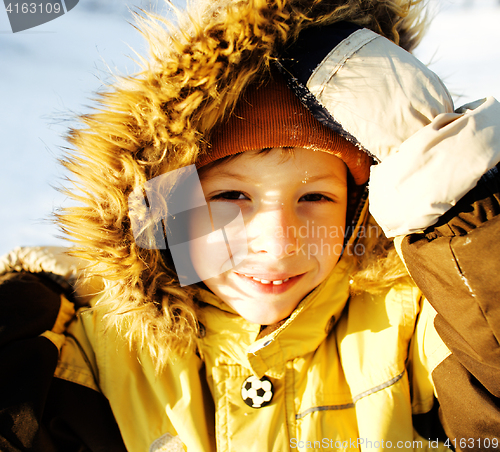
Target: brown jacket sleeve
40	413
456	265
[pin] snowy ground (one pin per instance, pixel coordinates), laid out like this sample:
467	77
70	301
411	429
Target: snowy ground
47	75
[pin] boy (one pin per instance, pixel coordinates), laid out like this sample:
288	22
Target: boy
323	348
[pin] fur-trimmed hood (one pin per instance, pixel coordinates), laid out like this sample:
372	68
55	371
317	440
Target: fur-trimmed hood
160	120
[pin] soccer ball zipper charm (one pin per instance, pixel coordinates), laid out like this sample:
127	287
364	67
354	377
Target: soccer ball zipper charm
257	393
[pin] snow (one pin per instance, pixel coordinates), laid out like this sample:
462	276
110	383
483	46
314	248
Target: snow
461	46
48	75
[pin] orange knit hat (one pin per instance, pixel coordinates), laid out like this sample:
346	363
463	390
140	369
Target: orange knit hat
270	116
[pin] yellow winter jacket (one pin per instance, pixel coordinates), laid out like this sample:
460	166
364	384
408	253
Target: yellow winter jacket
347	375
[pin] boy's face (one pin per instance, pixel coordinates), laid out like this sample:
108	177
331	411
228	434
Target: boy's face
294	209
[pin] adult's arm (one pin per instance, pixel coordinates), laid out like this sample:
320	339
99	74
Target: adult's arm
37	411
455	263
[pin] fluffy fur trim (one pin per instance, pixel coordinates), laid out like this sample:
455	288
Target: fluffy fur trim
160	120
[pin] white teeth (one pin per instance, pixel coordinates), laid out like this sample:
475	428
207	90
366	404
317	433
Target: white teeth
277	282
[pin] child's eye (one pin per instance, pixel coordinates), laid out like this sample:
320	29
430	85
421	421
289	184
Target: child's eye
315	197
231	195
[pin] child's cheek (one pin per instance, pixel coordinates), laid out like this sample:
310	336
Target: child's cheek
218	240
325	247
322	234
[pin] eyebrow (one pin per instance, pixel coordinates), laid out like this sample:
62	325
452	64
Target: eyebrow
326	176
228	174
244	178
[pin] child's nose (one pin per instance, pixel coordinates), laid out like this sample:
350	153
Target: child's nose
274	231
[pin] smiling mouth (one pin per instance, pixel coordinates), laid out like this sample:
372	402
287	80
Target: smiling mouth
269	282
